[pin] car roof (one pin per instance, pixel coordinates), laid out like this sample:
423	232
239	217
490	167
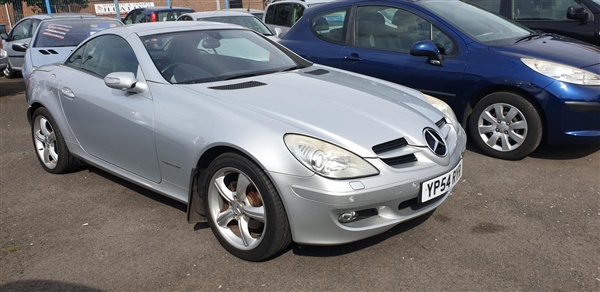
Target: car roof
203	14
61	15
150	28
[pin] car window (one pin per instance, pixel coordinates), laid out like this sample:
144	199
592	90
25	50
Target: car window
22	30
392	29
185	18
169	15
297	11
205	56
279	15
330	25
104	55
542	9
489	5
70	32
129	17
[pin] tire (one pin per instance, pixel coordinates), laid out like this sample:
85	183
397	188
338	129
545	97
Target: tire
506	125
49	144
252	226
9	72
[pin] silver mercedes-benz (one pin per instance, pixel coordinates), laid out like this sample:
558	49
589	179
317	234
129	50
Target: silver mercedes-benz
264	145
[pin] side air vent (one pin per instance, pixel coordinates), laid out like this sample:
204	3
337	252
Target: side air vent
389	146
318	72
395	161
236	86
48	52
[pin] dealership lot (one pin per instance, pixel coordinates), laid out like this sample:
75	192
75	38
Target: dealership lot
510	225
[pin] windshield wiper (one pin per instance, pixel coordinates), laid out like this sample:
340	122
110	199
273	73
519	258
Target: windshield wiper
530	36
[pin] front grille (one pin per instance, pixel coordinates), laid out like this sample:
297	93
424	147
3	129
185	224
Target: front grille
389	146
395	161
441	123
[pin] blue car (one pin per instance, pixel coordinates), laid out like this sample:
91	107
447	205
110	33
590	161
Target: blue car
511	87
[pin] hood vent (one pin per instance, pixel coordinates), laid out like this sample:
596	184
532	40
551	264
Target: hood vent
391	146
236	86
48	52
318	72
441	123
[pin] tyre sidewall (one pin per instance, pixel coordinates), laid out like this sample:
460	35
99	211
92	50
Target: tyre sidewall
275	225
64	156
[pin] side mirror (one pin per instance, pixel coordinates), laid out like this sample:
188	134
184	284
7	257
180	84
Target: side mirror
124	81
4	36
577	13
428	49
278	32
20	47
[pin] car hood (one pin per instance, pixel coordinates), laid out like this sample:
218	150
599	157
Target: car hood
350	110
554	48
42	56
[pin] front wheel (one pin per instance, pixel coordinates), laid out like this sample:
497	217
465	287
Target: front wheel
506	125
244	209
9	72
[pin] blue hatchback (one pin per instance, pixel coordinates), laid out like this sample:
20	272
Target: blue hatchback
511	87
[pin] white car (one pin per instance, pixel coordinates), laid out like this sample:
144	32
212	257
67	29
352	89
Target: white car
244	19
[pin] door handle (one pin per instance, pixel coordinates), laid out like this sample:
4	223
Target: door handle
353	58
67	92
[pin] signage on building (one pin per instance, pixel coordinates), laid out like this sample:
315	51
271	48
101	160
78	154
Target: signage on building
109	8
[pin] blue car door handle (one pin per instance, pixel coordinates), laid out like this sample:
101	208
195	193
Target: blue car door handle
67	92
353	57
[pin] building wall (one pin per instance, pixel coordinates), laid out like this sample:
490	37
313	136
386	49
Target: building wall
8	17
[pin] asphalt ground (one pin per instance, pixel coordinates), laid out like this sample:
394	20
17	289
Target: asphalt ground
528	225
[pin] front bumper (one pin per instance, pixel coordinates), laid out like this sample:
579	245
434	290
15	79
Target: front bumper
314	204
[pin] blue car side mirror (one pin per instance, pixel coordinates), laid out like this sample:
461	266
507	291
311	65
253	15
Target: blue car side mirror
428	49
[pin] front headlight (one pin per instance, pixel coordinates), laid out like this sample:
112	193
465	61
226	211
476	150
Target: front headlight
441	106
327	159
562	72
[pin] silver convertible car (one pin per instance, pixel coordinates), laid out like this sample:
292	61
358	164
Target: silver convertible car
264	145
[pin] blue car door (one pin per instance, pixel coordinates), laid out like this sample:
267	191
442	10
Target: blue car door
383	37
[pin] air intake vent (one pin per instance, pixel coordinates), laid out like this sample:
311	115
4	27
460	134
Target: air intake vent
243	85
441	123
48	52
53	52
395	161
389	146
318	72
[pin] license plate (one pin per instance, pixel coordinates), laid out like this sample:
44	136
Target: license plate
436	187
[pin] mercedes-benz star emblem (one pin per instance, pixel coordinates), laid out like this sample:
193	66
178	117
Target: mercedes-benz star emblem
435	142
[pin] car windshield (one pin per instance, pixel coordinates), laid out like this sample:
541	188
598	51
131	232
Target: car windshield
249	21
213	55
481	25
70	32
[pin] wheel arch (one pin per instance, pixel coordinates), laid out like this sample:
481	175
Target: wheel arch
480	94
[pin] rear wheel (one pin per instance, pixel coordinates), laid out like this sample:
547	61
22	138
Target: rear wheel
506	125
50	146
243	209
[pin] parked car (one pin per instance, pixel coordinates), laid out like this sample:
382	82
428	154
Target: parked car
268	149
154	14
234	17
22	32
3	61
284	14
56	38
579	19
510	86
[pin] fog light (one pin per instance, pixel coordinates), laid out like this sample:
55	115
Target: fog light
347	217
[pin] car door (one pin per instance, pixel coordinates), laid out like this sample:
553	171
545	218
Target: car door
383	37
551	16
113	125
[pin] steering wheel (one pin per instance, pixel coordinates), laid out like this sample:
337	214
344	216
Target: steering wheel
167	72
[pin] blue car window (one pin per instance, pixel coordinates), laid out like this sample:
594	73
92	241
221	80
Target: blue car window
542	9
330	26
